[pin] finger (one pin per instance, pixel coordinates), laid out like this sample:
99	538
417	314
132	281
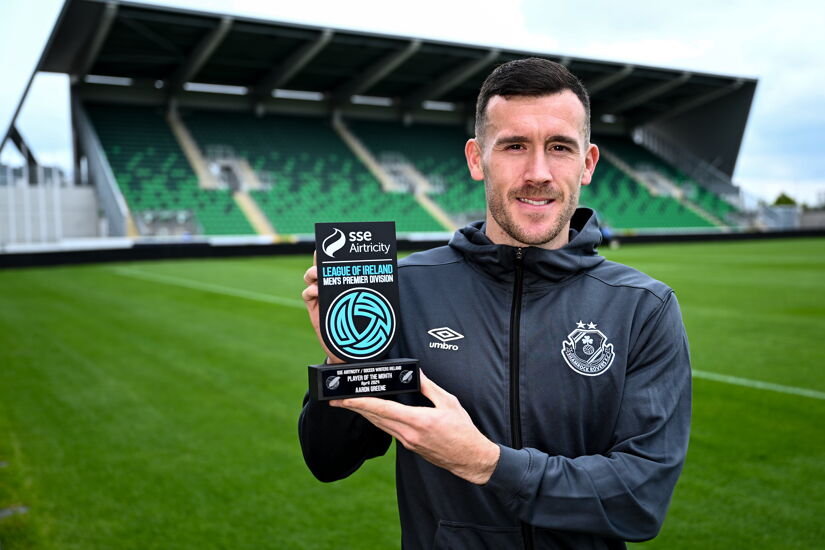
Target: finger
310	293
357	405
393	428
311	275
435	393
380	407
347	403
398	429
365	404
314	258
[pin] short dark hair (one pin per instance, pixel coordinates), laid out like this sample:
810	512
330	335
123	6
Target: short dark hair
532	77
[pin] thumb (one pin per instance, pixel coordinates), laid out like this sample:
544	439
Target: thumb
435	393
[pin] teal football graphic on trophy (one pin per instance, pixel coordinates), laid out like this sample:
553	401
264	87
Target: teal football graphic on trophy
360	323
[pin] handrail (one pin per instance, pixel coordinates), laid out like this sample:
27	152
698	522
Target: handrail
701	171
109	195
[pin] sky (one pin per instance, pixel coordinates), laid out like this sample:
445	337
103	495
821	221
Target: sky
782	45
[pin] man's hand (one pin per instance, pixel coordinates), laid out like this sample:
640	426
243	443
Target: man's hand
444	435
310	296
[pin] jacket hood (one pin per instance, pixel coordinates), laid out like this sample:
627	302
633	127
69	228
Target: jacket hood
540	265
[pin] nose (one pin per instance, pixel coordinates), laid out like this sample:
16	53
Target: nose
537	171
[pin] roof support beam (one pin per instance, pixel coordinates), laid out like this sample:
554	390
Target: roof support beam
606	81
200	55
25	150
642	96
695	102
150	35
103	28
17	138
290	66
450	80
377	72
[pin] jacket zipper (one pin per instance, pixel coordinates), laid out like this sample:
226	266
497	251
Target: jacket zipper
515	399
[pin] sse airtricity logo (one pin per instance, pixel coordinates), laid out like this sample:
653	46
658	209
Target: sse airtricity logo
360	323
334	243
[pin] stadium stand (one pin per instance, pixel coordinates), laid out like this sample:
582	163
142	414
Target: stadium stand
622	202
643	160
153	173
435	151
287	108
308	174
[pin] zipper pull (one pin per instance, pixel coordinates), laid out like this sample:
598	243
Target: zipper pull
519	254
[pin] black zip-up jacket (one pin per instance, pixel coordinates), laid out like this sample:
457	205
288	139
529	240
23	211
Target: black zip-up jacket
576	366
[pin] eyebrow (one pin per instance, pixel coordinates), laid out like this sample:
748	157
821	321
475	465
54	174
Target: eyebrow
511	140
567	140
558	138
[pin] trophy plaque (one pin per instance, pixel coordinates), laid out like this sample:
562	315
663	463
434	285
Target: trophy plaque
359	312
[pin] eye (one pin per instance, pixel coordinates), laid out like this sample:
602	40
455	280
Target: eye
560	148
514	147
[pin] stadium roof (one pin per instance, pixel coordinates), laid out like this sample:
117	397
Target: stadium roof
169	52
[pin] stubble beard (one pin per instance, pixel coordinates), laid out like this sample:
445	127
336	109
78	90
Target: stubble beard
497	206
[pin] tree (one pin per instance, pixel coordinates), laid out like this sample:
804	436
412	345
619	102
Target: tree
783	200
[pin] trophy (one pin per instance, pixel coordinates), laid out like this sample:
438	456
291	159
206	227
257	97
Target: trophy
359	312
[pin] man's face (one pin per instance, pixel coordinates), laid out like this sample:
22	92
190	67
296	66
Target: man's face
533	159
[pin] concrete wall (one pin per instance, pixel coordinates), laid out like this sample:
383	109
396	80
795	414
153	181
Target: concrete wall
812	219
780	217
37	214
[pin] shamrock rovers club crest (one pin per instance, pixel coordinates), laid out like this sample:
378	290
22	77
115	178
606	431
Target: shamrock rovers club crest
586	350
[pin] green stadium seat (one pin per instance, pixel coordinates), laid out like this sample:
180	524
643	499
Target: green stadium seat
153	172
640	158
315	177
436	152
624	204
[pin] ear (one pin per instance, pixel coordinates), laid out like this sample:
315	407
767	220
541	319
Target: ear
591	158
472	150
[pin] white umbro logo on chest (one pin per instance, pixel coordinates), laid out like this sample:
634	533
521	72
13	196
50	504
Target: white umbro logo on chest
444	334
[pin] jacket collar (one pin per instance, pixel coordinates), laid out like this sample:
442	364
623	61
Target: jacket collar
540	265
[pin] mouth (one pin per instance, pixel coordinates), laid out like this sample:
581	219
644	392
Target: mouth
535	202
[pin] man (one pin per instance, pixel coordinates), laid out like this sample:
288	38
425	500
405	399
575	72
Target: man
559	415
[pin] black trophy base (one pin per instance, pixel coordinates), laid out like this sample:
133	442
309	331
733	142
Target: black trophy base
372	379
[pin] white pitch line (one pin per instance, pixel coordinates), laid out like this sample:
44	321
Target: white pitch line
748	383
208	287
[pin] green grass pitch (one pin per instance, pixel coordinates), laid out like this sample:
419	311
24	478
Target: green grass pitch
154	405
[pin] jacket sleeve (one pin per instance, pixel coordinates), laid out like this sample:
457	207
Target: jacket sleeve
623	493
335	442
